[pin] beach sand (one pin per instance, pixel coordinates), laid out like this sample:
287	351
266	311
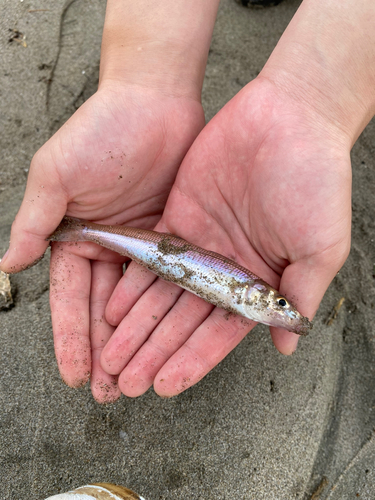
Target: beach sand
260	426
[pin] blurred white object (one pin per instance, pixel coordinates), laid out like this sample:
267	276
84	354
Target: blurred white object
6	299
99	491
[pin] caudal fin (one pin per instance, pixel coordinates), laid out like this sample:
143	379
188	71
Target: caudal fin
69	229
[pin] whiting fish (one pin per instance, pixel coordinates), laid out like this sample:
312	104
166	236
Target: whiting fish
211	276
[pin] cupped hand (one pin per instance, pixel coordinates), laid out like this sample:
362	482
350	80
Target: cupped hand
114	161
268	184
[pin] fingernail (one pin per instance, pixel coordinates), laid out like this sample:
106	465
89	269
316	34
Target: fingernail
294	345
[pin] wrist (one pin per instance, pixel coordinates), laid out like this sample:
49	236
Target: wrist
325	59
155	65
163	45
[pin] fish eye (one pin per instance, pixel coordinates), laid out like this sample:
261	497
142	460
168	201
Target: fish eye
282	302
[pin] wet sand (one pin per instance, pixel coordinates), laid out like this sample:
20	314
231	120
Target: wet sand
260	426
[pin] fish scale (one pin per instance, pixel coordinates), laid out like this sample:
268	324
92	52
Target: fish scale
209	275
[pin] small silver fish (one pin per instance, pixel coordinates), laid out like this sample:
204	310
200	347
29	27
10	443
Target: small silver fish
211	276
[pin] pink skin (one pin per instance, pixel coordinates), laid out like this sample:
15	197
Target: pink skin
268	183
114	161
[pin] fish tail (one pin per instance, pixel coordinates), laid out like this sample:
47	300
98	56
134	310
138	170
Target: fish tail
69	229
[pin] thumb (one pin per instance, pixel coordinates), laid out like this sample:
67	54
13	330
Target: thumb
43	206
304	284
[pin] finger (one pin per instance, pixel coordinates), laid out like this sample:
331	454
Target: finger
136	280
43	206
208	345
304	284
137	326
104	278
70	278
173	331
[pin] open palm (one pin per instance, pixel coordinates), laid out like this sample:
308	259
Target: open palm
268	184
114	161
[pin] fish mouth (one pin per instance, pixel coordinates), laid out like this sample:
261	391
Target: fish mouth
294	322
303	327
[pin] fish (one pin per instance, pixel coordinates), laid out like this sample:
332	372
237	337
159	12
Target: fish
209	275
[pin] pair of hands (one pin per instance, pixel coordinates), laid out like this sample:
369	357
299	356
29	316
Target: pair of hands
267	183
